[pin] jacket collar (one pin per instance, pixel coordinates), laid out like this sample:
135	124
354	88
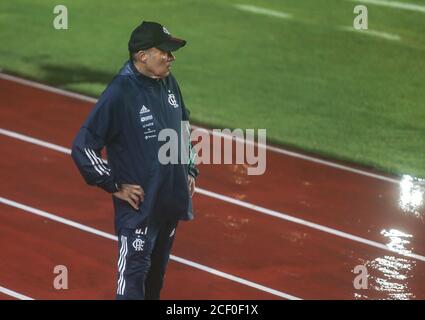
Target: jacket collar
130	69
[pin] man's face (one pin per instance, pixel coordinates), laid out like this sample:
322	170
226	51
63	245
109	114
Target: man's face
158	62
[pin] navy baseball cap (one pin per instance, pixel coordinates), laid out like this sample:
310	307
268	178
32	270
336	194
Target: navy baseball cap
152	34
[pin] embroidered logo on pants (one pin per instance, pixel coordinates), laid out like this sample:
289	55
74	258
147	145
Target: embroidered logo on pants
138	244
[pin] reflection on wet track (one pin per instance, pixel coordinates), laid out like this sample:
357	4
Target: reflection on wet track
390	275
412	195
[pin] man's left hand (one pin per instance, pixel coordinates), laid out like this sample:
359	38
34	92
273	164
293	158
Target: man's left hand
191	185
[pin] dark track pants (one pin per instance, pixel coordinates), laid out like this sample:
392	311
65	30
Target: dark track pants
142	260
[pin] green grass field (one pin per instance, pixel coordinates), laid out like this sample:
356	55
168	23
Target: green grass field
313	86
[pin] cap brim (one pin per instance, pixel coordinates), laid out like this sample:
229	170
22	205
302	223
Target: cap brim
171	44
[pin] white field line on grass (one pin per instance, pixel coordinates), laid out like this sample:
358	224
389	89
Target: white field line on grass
374	33
395	4
243	204
14	294
264	11
226	136
109	236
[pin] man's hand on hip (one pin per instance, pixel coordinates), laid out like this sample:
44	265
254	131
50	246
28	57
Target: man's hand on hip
131	193
191	185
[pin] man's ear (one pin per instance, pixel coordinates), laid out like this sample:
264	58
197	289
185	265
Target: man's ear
142	56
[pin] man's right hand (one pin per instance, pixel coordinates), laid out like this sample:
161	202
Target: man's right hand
131	193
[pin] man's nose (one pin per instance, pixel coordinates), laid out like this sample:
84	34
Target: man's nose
170	56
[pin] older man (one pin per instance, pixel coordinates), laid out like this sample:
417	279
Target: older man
149	197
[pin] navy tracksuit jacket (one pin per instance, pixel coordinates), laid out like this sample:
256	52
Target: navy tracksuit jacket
126	120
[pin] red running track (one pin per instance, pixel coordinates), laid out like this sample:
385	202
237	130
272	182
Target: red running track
278	254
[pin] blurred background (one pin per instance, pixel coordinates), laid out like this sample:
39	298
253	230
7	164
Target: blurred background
292	67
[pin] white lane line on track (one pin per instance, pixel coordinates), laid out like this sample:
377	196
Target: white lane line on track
306	223
373	33
243	204
109	236
270	148
395	4
304	157
263	11
14	294
35	141
45	87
